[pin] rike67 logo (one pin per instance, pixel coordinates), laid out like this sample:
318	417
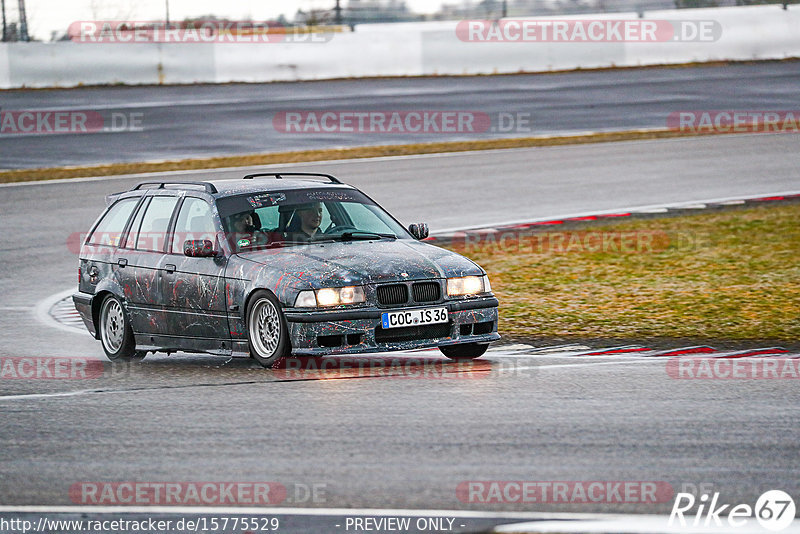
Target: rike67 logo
774	510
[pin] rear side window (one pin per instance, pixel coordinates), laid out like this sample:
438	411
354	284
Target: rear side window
153	232
109	229
133	232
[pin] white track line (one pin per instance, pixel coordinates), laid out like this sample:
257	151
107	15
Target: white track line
636	524
509	370
463	153
629	209
541	521
587	364
33	396
42	312
248	168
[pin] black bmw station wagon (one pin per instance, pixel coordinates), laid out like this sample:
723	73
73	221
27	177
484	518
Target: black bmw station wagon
273	265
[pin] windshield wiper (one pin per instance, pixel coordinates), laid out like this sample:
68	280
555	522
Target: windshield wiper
346	236
279	244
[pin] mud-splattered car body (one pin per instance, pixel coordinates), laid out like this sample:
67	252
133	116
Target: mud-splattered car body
178	299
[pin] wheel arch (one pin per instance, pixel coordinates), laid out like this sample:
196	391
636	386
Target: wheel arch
246	307
97	302
249	297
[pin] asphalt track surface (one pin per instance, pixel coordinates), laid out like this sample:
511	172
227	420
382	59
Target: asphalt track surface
379	442
204	121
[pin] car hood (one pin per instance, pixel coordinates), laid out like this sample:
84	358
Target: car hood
364	262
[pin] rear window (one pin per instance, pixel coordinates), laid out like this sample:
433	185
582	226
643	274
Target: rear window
109	230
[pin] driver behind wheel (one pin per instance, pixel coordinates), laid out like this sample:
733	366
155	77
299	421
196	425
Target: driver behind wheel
305	222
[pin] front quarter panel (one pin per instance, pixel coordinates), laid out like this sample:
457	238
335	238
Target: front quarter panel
450	263
243	277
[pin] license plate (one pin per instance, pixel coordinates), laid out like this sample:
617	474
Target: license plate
401	318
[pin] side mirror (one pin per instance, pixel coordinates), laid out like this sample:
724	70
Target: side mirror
419	231
199	248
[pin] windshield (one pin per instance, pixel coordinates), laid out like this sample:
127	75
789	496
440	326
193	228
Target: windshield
299	217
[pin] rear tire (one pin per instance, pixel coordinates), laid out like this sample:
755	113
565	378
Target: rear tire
465	351
267	332
116	333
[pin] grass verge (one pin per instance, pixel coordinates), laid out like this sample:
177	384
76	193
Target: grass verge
729	275
24	175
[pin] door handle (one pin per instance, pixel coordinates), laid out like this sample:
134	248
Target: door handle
170	268
122	262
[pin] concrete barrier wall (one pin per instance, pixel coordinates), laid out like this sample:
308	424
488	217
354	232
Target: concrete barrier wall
5	79
753	32
756	32
345	55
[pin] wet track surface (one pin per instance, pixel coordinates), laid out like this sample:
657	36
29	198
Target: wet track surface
421	426
206	121
403	435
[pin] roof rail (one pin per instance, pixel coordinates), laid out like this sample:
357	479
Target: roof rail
161	185
279	175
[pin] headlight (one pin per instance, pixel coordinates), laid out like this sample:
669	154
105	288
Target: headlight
330	296
468	285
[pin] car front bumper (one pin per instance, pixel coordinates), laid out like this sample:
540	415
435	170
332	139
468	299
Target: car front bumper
315	333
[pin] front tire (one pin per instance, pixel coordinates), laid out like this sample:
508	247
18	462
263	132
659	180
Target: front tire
116	333
267	333
465	351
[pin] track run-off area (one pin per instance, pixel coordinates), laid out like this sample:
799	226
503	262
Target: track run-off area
407	433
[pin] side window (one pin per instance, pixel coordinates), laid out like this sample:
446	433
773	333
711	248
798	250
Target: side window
194	222
136	225
154	224
109	230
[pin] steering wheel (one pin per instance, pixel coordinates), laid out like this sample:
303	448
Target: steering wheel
341	229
